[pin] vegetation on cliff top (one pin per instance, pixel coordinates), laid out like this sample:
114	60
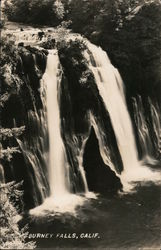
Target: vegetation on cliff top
128	30
46	12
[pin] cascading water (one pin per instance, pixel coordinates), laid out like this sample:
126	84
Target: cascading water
58	165
111	93
104	150
143	130
111	90
156	123
80	162
36	156
59	175
61	197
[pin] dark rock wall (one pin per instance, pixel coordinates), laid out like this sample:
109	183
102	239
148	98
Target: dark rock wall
78	96
77	99
23	107
101	179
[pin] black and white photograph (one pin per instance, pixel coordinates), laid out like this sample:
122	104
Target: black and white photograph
80	124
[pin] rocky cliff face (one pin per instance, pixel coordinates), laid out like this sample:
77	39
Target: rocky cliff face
21	80
23	101
79	97
22	71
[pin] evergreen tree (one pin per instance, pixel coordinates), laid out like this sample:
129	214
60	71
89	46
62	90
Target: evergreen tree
12	237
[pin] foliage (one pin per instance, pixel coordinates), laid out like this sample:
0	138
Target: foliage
78	82
49	44
46	12
10	82
75	45
8	52
73	51
139	58
129	31
7	154
109	15
6	132
4	98
11	236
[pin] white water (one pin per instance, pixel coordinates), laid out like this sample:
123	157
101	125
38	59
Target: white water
111	90
143	131
61	199
104	150
80	161
156	121
58	165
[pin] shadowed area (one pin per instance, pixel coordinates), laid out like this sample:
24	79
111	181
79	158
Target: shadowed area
99	176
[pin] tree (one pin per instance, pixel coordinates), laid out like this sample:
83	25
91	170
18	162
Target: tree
46	12
97	14
129	30
12	237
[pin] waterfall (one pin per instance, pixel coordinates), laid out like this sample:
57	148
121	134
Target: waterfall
34	151
111	89
104	150
148	129
59	169
64	161
156	123
143	130
61	198
80	162
58	165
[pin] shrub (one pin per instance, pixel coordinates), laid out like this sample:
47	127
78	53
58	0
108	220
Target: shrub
11	236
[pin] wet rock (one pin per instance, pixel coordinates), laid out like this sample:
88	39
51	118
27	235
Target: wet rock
21	44
100	177
40	35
